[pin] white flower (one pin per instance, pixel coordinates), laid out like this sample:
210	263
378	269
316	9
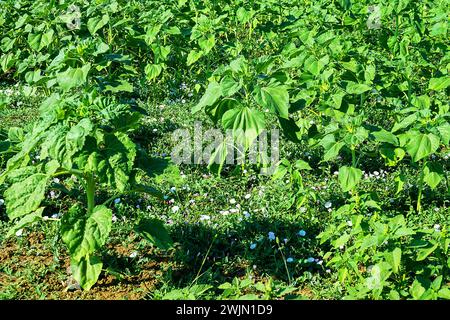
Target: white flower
204	217
328	271
247	196
2	202
290	260
302	209
232	201
320	262
302	233
172	201
173	189
376	173
336	173
328	204
114	218
117	201
285	240
310	259
56	180
349	223
437	227
175	209
19	232
224	212
154	130
192	201
56	215
149	207
233	210
252	246
271	236
133	254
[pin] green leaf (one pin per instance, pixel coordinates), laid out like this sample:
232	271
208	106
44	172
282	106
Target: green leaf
422	145
73	77
229	86
37	41
356	88
444	293
25	221
437	84
396	255
212	94
385	136
332	150
422	254
193	56
96	23
274	97
84	234
406	122
246	123
86	270
153	71
116	161
206	44
349	177
25	196
153	230
433	174
302	165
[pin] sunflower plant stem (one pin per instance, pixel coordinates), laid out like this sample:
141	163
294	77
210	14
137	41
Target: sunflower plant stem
90	191
419	196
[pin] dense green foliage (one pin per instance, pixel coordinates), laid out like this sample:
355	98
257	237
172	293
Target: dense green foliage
342	83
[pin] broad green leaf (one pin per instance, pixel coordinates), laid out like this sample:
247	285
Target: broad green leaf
229	86
437	84
274	97
86	270
385	136
119	86
422	254
25	221
193	56
246	123
96	23
206	44
302	165
356	88
73	77
406	122
37	41
153	230
396	257
116	160
332	151
444	132
349	177
422	145
153	71
85	234
433	174
25	196
212	94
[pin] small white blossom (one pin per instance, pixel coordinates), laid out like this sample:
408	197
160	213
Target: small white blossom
204	217
114	218
19	232
133	254
328	204
2	202
175	209
437	227
247	196
349	223
173	189
232	201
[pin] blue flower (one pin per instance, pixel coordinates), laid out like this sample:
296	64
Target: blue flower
302	233
310	259
271	236
252	246
290	260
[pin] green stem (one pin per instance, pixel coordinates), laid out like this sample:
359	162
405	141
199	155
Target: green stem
90	191
353	157
419	196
